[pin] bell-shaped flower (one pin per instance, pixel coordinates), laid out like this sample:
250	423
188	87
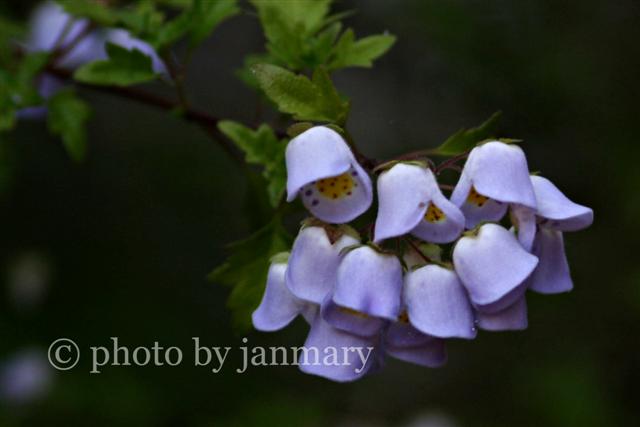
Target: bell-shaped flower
555	214
337	355
279	306
369	282
314	261
437	303
404	342
493	266
495	176
349	320
512	318
410	201
323	171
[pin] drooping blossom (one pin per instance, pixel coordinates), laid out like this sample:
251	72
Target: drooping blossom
314	260
493	266
555	214
370	282
279	306
324	173
410	201
495	176
437	303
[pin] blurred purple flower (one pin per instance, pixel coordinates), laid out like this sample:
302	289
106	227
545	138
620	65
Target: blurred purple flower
404	342
25	377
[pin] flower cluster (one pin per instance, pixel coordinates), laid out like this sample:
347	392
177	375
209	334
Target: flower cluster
392	291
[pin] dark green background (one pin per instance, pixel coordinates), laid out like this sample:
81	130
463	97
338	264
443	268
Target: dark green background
132	232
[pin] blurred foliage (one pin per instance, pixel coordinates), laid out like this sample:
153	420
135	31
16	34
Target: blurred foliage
123	68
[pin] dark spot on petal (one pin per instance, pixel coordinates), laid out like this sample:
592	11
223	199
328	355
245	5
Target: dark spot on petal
308	192
315	202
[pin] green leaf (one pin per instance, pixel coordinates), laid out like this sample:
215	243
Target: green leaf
261	147
315	100
67	117
124	67
466	139
349	52
246	269
207	15
97	12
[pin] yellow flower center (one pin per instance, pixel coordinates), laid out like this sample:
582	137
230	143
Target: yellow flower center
336	187
434	214
354	312
476	198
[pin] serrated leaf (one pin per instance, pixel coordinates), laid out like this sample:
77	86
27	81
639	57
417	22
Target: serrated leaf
349	52
246	269
315	100
67	117
466	139
124	67
207	15
261	147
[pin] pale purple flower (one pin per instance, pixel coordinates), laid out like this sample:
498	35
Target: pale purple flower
495	176
279	306
323	171
511	318
369	282
555	214
404	342
338	355
493	266
25	377
410	201
437	303
313	263
349	320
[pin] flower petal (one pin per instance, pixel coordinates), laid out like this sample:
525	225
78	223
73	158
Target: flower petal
278	307
404	342
339	199
324	340
562	214
369	282
525	220
552	276
403	196
350	320
444	226
315	154
493	267
478	207
313	263
512	318
500	171
437	303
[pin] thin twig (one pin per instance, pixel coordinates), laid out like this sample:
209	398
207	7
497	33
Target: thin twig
417	249
206	120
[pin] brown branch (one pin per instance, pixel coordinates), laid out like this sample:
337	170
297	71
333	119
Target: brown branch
208	122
